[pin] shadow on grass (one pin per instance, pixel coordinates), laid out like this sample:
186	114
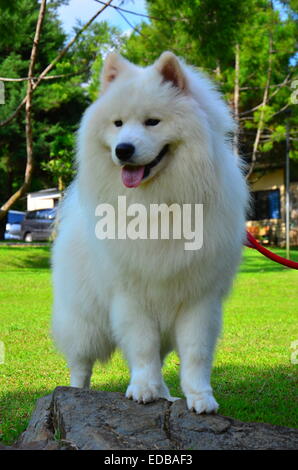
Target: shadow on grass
255	262
15	412
27	258
30	257
251	393
39	261
248	394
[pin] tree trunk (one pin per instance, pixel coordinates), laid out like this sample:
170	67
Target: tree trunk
262	113
236	98
29	141
27	101
61	185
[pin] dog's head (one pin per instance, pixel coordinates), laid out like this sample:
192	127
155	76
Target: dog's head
146	117
143	114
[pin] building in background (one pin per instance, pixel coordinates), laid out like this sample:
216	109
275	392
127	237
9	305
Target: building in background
267	215
44	199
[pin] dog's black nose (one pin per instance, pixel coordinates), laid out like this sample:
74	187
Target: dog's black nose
125	151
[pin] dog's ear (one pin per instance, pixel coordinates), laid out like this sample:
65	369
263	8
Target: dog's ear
169	67
113	66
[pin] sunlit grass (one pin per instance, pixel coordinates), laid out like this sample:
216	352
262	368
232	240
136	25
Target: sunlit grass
253	377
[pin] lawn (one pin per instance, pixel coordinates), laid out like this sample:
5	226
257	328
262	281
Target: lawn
253	377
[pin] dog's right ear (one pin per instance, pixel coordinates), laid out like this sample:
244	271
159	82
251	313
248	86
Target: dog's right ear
113	66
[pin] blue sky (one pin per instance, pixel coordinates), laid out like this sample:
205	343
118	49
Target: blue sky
85	9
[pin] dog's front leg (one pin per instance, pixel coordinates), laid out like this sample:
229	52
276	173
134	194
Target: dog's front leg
137	334
197	329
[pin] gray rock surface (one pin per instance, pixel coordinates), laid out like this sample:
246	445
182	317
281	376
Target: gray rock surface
72	418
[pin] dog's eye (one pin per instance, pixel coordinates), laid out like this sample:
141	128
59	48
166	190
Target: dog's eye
151	122
118	123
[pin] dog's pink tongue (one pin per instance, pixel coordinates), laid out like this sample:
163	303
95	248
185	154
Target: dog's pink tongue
132	175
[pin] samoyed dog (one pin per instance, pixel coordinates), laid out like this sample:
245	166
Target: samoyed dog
156	135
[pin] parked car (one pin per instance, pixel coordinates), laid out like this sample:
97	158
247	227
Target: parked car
13	225
38	225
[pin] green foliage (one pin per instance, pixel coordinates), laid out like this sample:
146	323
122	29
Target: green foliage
58	104
60	162
90	49
205	34
202	32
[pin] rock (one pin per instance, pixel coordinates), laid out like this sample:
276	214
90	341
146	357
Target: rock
73	418
40	426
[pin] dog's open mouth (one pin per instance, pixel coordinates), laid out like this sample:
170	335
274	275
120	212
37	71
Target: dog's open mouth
133	175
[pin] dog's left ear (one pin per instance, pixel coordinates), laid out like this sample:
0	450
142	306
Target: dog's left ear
169	67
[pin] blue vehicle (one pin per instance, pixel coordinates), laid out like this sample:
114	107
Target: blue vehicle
38	225
14	220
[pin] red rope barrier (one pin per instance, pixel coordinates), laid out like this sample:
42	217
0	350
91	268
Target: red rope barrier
251	242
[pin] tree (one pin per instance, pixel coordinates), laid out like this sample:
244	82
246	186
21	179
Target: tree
248	47
56	106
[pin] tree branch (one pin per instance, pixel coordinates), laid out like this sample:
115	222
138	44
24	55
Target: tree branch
29	141
236	97
52	64
48	77
278	88
68	46
262	112
278	85
28	100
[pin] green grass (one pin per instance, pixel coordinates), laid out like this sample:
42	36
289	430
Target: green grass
253	377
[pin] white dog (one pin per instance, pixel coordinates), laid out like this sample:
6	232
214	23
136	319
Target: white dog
158	134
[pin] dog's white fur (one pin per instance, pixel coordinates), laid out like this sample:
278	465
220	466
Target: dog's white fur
150	296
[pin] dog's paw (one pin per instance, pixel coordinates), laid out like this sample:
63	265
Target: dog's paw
146	393
143	393
202	402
